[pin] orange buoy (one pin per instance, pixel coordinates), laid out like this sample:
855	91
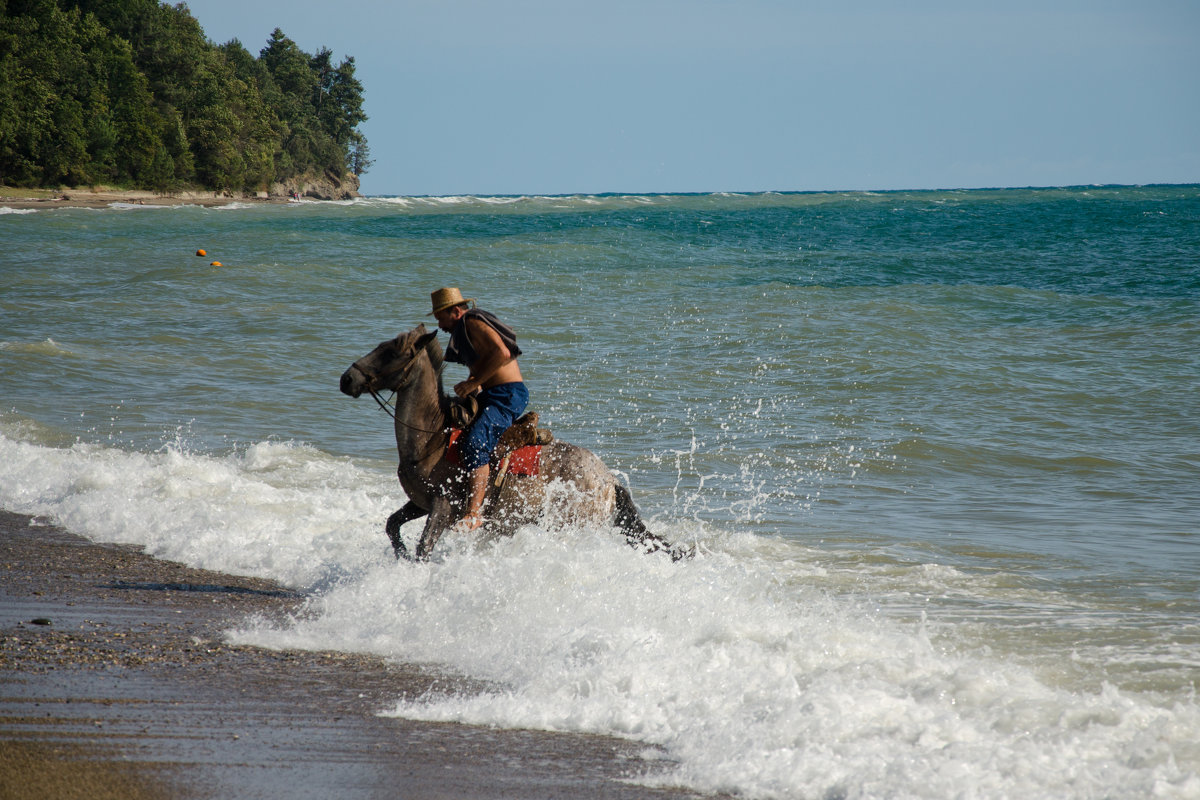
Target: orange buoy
216	264
201	253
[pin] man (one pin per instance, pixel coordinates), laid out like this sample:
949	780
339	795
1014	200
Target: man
489	350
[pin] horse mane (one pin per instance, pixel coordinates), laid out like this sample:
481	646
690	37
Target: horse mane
436	357
438	360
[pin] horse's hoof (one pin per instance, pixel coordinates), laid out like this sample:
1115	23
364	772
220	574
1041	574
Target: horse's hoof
398	547
682	553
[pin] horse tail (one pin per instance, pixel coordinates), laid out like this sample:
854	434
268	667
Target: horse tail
627	518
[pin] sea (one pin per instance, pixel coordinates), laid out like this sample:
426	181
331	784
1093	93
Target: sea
938	453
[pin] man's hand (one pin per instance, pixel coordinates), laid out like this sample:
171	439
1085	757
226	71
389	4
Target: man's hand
467	388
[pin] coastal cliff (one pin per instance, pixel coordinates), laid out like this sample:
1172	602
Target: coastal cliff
318	186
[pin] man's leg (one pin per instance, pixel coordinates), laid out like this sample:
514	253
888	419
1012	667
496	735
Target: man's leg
476	491
476	450
500	407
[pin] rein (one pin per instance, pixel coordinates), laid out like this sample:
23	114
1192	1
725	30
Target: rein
399	375
383	403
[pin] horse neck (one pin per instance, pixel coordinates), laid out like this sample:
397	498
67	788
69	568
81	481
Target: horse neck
438	362
421	408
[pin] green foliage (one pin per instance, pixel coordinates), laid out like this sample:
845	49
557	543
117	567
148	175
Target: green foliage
131	92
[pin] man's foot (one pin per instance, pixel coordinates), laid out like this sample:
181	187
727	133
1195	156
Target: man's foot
469	522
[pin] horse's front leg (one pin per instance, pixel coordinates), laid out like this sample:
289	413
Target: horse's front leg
441	517
408	512
448	492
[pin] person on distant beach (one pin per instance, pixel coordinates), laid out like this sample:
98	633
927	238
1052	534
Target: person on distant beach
489	350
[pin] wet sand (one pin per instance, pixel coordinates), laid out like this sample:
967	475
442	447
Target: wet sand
115	682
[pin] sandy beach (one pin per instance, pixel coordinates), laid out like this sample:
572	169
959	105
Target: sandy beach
115	683
46	199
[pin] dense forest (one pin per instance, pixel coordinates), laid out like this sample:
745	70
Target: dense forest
131	93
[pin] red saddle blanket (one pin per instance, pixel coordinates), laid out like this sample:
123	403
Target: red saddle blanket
523	461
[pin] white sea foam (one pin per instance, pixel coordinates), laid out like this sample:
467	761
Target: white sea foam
235	205
274	510
47	347
517	203
754	668
750	681
122	206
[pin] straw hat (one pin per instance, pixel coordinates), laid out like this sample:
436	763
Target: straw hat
445	298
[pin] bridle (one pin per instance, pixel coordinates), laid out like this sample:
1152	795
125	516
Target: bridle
394	377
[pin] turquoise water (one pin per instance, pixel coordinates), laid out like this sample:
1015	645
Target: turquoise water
939	451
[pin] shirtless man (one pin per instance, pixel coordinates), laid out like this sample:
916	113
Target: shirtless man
489	349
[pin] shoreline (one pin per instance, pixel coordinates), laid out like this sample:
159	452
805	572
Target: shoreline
115	682
47	199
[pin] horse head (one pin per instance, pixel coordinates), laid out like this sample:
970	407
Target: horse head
388	365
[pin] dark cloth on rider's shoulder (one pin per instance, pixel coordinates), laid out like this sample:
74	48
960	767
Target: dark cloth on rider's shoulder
461	351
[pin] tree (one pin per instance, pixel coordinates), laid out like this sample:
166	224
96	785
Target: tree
360	154
132	91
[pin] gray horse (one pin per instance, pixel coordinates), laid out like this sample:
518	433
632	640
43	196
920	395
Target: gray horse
572	484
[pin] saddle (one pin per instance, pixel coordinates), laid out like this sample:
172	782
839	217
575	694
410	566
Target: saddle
518	452
520	448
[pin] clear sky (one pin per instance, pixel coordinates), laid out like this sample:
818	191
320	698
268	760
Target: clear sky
589	96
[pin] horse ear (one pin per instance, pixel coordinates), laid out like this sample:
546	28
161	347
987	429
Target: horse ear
426	339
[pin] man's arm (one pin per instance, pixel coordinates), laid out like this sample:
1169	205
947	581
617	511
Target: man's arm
493	355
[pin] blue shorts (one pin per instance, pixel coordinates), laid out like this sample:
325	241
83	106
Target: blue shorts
499	408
